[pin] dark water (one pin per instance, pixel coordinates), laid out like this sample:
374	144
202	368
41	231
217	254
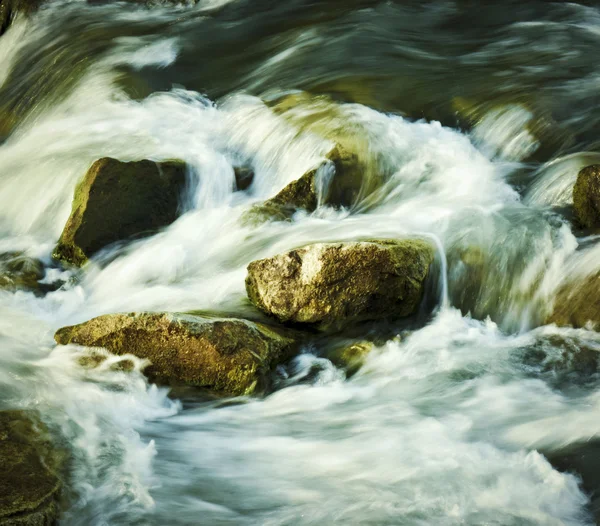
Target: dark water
474	119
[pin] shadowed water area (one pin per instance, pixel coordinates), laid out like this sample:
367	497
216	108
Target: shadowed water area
471	121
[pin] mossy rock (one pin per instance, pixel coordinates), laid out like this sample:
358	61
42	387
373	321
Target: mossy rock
586	196
226	355
119	200
577	304
19	272
331	285
29	485
340	190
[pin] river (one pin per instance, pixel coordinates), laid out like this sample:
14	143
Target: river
477	118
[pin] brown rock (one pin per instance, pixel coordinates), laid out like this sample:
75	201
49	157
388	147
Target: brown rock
29	486
578	304
19	272
342	189
351	357
586	196
335	284
118	200
228	355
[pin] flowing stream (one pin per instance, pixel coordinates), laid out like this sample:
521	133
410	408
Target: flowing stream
475	119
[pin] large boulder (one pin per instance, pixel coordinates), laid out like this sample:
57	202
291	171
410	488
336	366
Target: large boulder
330	285
337	182
29	485
586	196
231	356
118	200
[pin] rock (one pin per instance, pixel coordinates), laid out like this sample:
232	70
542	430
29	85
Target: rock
228	355
118	200
529	130
341	189
583	460
468	268
586	196
577	304
18	271
351	357
29	486
336	284
10	8
244	176
562	359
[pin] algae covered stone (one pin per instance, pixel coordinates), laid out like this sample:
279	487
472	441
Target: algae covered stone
577	303
336	182
118	200
228	355
335	284
29	486
586	196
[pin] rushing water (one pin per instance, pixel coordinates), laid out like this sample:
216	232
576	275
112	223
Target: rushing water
473	121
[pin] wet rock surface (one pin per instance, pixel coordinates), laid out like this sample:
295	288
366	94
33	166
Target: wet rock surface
232	356
351	357
586	196
118	200
29	486
244	177
577	304
9	9
336	182
330	285
20	272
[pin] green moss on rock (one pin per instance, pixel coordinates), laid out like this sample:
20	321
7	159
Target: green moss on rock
227	355
586	196
335	284
29	486
577	304
118	200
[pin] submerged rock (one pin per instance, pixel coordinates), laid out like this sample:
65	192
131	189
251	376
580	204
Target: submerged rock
117	200
586	196
10	8
29	486
19	272
336	284
337	182
244	177
351	357
582	459
228	355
